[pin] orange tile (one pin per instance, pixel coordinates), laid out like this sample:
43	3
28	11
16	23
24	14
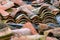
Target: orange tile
30	26
4	2
19	2
19	38
7	5
43	26
3	13
2	7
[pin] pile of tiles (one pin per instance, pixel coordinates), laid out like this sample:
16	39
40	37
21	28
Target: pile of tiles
29	19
